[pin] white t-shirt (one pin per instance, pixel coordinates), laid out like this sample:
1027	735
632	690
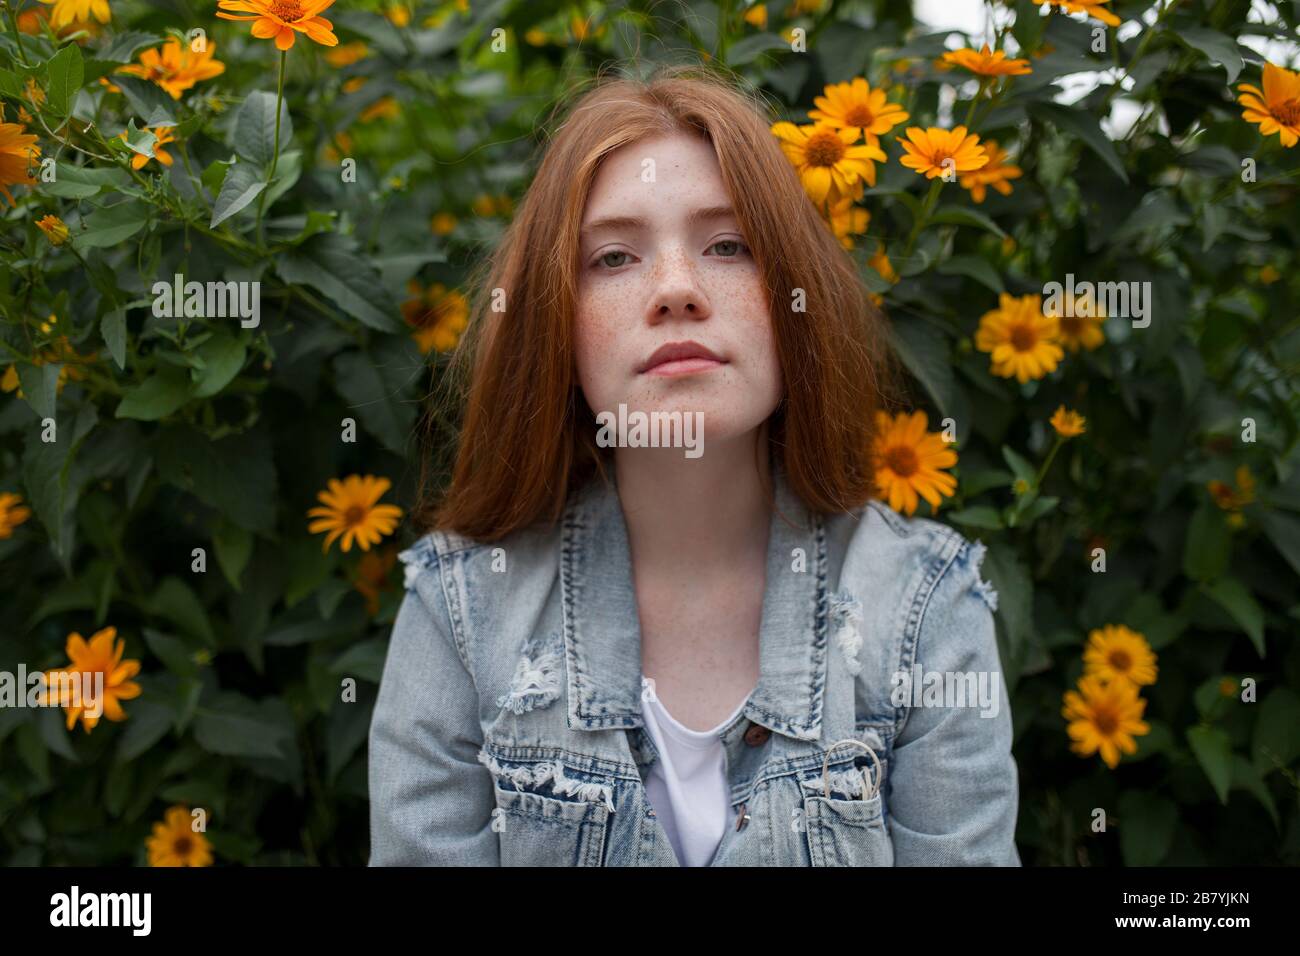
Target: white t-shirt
687	786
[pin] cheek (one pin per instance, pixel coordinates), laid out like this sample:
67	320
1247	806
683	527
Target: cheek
596	338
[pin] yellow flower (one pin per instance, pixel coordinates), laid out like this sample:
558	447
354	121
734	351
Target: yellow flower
54	228
176	68
102	655
442	223
829	164
354	83
928	150
581	28
162	136
283	19
350	508
848	220
1093	8
18	151
987	64
1115	652
12	512
1276	108
383	108
856	106
1228	687
69	11
1021	341
399	14
371	576
756	16
1068	424
437	315
175	842
1269	274
1233	499
908	462
1082	327
347	54
1104	717
536	37
995	173
338	147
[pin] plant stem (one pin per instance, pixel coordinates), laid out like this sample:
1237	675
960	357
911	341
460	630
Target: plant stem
18	34
935	185
275	155
1042	472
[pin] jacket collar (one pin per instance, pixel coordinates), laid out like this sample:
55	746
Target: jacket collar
602	634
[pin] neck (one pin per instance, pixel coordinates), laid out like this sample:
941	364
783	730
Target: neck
697	515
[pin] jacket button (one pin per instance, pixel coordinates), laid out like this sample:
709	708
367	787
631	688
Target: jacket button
757	735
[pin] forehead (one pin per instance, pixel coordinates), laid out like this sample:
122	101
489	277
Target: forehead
659	174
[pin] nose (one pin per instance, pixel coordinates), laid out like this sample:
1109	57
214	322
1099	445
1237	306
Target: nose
677	291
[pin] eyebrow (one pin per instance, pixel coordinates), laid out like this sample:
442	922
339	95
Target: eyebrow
696	216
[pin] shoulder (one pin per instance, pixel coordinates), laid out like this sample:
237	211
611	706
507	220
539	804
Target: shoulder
919	566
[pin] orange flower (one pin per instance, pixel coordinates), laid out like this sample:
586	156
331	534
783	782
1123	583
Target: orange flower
176	68
351	508
102	655
371	576
437	315
856	106
55	229
934	151
987	64
12	513
283	19
1092	8
175	842
910	462
162	135
995	173
18	150
1275	108
829	164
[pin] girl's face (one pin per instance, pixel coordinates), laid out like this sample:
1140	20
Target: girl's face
672	312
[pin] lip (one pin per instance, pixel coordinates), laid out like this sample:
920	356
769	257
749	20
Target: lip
681	358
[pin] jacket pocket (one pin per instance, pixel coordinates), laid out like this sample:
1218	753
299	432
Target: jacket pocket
539	830
847	832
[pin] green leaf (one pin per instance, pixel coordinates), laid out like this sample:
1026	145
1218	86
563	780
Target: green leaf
112	225
331	264
1213	751
157	396
47	477
1284	531
240	187
66	72
978	516
975	267
1019	466
234	546
82	182
1232	595
235	475
924	350
141	142
1085	127
175	601
963	216
1276	743
149	101
255	127
752	47
112	326
223	356
364	660
235	726
123	46
1146	827
1217	47
1208	544
176	655
40	386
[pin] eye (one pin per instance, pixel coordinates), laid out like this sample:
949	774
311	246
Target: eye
613	259
727	248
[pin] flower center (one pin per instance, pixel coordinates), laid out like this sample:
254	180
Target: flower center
1120	660
183	845
859	115
1023	338
824	149
286	10
902	461
1288	112
354	515
1106	722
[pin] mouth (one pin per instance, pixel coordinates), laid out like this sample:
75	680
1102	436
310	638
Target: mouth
680	358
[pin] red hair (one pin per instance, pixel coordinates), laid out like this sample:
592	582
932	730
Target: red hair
528	436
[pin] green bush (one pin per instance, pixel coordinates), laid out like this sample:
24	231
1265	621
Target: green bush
168	461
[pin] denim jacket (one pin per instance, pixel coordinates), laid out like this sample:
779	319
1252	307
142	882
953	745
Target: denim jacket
508	726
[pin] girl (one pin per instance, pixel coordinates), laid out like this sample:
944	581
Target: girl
632	645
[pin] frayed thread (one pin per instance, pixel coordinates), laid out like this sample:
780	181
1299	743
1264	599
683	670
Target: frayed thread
536	682
846	613
848	782
983	588
415	560
534	775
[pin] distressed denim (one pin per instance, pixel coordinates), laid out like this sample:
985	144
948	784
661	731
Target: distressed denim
508	725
